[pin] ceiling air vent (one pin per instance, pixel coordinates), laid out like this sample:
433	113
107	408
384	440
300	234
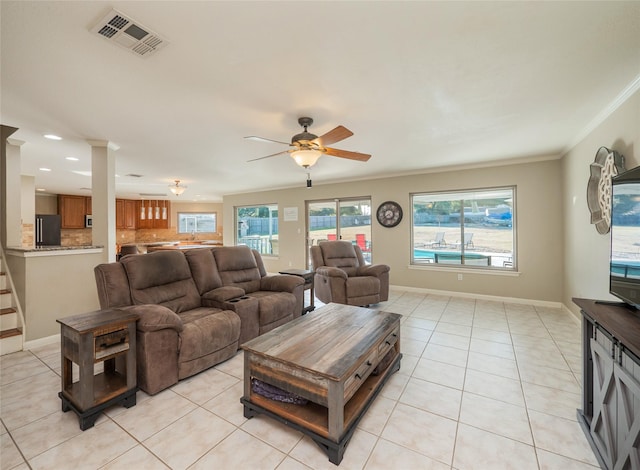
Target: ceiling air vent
129	34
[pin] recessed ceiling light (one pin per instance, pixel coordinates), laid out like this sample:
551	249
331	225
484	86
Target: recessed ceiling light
83	173
44	169
40	189
52	137
73	159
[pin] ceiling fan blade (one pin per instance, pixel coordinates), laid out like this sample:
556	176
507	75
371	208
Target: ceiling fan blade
333	136
263	139
361	157
268	156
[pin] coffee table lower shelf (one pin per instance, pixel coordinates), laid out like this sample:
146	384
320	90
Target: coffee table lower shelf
312	419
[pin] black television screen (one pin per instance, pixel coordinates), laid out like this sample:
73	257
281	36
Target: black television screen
624	265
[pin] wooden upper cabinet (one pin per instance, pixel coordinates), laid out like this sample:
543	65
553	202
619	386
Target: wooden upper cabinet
156	214
126	214
130	215
119	213
72	210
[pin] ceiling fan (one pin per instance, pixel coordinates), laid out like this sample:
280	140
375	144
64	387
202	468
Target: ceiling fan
308	147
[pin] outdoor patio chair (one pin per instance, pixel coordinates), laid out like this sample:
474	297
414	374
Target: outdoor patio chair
361	241
468	240
439	240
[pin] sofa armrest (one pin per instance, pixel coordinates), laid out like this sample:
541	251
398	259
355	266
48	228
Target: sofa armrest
331	272
155	317
280	283
222	294
372	270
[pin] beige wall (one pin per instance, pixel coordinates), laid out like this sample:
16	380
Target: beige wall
539	227
586	253
54	286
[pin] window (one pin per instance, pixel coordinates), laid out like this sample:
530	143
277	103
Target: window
257	227
197	222
473	228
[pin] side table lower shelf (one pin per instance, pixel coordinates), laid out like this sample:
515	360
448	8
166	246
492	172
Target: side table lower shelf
88	418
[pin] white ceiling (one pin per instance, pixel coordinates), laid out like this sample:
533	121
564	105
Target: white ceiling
422	85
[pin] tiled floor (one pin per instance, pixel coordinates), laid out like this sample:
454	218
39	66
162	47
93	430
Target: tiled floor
483	385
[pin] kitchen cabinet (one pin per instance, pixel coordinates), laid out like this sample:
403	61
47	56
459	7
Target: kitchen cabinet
130	214
156	214
72	210
126	216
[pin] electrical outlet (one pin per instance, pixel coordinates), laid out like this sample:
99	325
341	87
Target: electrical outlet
290	264
459	277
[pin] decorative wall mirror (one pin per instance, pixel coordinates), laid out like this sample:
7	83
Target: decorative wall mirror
607	164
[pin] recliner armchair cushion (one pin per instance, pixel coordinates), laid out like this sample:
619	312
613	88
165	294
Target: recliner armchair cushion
342	276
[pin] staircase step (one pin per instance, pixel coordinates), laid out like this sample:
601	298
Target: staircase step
4	291
10	341
7	310
10	333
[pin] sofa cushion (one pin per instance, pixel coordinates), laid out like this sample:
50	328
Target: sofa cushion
204	269
274	306
113	285
207	330
362	286
155	317
238	267
162	278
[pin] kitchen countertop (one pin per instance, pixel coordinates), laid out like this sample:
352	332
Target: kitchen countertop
52	250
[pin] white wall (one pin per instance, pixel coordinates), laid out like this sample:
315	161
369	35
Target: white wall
539	219
586	254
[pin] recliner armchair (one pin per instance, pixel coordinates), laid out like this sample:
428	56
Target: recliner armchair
342	276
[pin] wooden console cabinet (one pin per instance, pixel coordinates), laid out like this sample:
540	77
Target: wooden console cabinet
610	414
104	336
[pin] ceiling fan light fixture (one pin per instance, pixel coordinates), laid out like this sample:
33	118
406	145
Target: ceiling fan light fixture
306	157
176	188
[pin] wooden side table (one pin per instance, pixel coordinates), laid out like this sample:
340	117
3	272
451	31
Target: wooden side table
307	275
107	336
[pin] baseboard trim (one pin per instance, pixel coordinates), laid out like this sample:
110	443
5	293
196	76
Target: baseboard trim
495	298
36	343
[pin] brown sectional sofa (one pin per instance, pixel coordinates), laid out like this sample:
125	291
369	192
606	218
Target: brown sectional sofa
195	307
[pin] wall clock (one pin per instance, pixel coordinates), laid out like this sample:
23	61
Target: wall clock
389	214
607	164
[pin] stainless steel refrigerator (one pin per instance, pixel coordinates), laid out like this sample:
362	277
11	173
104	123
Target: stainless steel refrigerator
47	230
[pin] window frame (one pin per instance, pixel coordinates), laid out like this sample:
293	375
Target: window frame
513	262
194	213
261	245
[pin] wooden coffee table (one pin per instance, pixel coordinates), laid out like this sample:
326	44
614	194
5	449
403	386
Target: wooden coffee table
327	357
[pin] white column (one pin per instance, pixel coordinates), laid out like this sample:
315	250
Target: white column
13	193
103	196
28	208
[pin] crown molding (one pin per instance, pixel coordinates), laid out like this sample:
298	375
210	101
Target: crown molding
624	95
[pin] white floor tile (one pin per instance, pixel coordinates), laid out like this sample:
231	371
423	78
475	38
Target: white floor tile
482	384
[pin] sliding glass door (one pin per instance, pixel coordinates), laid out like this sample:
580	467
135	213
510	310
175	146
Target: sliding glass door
346	219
